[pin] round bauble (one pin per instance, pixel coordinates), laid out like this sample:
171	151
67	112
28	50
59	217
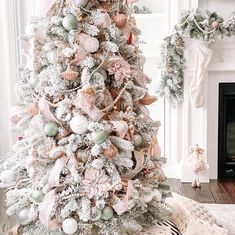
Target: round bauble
215	25
37	195
23	216
70	22
99	137
103	20
79	124
107	213
120	20
111	152
138	140
33	81
81	3
70	226
91	44
51	129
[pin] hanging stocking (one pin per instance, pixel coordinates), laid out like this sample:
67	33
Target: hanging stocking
197	85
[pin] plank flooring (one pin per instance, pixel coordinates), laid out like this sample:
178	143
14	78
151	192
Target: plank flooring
213	192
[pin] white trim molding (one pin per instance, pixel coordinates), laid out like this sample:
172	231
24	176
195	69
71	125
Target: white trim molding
8	66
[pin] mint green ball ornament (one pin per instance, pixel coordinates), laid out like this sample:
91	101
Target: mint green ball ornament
51	129
33	81
99	137
37	195
70	22
107	213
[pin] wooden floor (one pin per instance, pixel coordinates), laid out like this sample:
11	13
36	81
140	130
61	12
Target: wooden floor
213	192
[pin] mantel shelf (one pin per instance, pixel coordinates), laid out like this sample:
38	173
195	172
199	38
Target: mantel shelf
215	67
149	16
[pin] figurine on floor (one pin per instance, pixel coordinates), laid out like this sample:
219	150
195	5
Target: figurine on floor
198	164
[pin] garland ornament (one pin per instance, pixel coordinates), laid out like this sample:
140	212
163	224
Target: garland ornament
205	28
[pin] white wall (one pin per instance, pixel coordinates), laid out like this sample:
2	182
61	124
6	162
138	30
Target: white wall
8	71
200	126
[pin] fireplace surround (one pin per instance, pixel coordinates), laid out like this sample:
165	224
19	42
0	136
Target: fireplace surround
226	134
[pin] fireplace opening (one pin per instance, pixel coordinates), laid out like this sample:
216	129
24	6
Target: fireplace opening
226	153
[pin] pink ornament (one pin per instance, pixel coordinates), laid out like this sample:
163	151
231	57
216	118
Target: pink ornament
148	99
103	20
69	74
131	39
111	152
82	38
96	183
120	69
120	20
215	25
92	44
33	109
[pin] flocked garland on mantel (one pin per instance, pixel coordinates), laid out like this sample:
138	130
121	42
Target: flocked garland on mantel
206	27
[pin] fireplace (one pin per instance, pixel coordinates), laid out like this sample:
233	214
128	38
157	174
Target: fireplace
226	140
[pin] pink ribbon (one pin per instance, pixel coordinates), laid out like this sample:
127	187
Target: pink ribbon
124	205
86	103
54	176
46	207
44	108
139	157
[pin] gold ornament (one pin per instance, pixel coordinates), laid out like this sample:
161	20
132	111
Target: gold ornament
110	152
69	74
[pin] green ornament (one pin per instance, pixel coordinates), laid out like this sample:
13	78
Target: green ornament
37	196
51	129
70	22
33	81
99	137
107	213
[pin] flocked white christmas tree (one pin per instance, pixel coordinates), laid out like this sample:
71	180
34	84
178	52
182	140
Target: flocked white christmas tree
88	161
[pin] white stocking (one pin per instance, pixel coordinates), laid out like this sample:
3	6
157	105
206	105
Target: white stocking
196	92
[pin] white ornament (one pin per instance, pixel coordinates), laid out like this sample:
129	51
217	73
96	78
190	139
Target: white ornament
79	124
23	216
70	226
81	3
92	44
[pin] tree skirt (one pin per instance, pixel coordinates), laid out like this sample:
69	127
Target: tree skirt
191	218
224	214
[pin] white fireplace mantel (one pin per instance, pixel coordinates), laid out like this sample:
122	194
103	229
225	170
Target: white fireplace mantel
200	126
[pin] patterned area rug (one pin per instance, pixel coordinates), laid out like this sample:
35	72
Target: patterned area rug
224	214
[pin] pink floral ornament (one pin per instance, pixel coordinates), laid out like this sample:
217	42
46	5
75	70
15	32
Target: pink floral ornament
96	183
120	69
